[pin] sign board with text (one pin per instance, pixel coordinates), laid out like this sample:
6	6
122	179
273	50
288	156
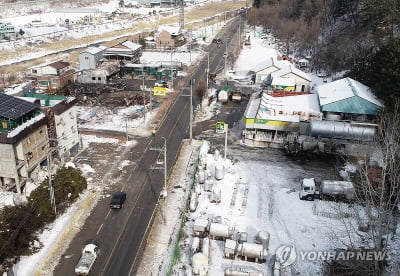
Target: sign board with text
159	91
220	127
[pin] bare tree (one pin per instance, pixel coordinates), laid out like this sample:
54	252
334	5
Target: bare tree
373	216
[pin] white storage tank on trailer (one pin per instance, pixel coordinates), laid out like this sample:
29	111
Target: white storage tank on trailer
342	130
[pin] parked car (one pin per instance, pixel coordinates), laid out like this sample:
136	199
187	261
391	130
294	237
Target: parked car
117	200
217	40
161	83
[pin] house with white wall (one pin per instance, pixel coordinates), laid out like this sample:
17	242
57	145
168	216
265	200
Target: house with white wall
24	142
91	58
264	68
61	112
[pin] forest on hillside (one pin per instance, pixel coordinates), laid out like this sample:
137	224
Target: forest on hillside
357	38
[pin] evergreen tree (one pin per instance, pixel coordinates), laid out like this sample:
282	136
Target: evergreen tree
380	70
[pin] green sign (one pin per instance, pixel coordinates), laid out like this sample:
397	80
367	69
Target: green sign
220	127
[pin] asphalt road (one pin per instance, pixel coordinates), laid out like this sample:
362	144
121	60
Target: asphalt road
121	233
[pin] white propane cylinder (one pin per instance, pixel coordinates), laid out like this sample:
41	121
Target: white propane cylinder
202	176
208	185
262	238
200	264
216	195
195	245
193	202
206	247
216	155
197	189
219	172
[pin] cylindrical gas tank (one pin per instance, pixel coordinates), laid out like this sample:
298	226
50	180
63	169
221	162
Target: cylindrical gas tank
195	245
193	202
231	271
200	264
221	230
252	250
208	185
205	249
242	237
216	155
201	176
262	238
219	172
216	195
197	189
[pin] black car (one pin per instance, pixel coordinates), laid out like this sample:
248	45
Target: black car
217	40
117	200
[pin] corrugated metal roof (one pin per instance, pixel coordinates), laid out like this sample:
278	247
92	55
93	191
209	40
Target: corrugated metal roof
353	105
291	69
348	96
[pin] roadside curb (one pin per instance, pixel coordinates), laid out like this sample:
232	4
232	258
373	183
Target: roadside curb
65	237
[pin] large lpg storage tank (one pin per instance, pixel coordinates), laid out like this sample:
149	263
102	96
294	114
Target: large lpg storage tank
251	250
200	264
343	130
232	271
219	230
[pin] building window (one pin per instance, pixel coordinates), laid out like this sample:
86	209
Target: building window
71	115
73	129
28	141
86	58
93	78
98	78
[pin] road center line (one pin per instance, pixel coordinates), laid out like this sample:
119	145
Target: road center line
109	211
98	231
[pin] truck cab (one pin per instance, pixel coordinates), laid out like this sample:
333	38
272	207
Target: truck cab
308	189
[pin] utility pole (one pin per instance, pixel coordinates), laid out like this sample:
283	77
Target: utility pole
144	100
207	70
164	167
225	55
191	111
191	107
172	74
51	188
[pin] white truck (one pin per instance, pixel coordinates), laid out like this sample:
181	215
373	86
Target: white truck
89	255
237	95
327	189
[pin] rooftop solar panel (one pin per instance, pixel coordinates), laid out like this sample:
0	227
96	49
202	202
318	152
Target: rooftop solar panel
13	108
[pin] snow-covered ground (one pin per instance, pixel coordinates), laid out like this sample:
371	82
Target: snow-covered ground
267	182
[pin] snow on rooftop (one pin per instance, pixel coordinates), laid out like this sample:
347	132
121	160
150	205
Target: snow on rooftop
272	61
20	128
173	30
283	81
343	89
291	69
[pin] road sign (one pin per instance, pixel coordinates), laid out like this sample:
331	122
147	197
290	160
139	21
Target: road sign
160	91
220	127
